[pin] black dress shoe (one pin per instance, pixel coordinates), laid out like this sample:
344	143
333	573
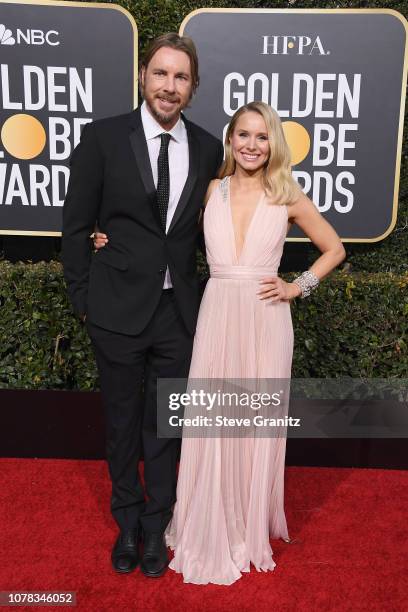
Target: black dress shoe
155	559
125	553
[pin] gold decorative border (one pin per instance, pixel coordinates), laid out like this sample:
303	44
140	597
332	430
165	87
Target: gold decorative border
404	22
99	5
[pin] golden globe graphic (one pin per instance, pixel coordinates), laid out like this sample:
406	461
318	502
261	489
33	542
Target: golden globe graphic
341	100
23	136
57	73
298	140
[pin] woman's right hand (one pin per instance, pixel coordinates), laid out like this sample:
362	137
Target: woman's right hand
99	240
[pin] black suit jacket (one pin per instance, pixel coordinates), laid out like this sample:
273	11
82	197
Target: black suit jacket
111	184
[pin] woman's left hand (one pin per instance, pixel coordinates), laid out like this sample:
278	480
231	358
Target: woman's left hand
275	289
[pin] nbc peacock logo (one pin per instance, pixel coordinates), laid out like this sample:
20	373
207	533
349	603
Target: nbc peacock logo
6	36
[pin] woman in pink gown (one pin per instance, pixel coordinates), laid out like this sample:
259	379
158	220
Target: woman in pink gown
230	491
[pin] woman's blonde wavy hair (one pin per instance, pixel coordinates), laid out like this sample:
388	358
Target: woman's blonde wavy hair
277	178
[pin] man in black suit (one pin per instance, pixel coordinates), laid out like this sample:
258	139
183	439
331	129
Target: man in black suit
141	178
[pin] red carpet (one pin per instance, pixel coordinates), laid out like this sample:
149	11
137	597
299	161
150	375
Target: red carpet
351	554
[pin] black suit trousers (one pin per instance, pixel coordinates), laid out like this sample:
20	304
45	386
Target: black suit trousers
129	367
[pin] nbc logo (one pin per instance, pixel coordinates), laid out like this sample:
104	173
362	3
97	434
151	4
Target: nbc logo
28	37
6	36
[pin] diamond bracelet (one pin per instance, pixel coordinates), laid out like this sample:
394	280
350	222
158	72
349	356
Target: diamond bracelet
307	281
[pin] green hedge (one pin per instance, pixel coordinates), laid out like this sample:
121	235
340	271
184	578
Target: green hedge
353	325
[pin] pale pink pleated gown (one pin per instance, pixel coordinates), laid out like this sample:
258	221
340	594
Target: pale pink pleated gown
230	491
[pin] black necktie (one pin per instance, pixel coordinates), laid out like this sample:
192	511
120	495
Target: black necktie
163	181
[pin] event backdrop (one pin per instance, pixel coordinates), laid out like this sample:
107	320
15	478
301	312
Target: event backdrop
62	64
337	79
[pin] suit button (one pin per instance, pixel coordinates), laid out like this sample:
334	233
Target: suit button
162	270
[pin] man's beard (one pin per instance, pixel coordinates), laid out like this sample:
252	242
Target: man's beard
165	118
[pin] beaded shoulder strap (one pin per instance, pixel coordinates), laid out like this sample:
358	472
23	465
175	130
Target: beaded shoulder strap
224	188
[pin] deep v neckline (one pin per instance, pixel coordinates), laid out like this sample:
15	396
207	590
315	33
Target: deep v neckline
251	222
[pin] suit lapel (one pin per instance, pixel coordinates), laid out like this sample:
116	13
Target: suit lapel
193	165
140	150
